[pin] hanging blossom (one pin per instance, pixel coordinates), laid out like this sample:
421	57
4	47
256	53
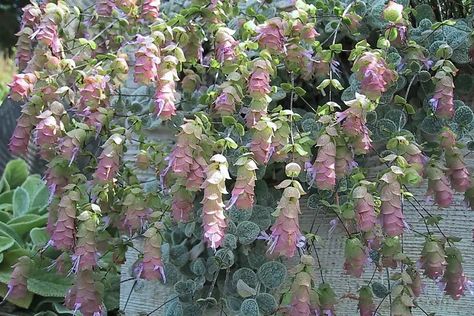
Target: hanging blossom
457	170
57	176
182	204
47	34
327	299
243	192
22	86
186	159
391	249
48	132
166	88
415	157
393	221
70	144
193	49
64	232
85	253
109	159
280	138
261	144
93	93
286	235
21	135
433	259
442	101
104	7
150	9
323	171
454	280
84	296
356	257
259	90
152	266
416	283
373	73
225	45
23	48
303	300
17	286
147	60
354	120
136	214
402	300
31	15
469	196
344	159
438	185
191	81
300	61
213	218
366	301
270	35
365	208
228	98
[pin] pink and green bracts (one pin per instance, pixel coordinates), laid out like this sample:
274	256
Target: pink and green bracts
365	208
323	171
438	185
213	218
393	222
454	281
433	259
17	286
366	301
84	296
243	191
152	265
356	257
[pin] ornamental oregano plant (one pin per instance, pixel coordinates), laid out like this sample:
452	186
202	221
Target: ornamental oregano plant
269	102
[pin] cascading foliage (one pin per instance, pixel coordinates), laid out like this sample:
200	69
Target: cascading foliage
268	102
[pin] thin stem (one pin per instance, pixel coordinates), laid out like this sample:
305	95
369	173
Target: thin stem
389	289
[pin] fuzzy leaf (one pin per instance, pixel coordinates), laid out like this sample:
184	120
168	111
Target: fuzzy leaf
272	274
21	202
48	284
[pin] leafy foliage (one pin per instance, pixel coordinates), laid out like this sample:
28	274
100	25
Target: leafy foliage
268	102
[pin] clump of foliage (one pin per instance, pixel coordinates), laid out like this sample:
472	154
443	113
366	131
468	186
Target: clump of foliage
27	277
269	102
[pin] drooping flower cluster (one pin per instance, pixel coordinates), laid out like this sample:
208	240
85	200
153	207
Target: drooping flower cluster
271	35
152	265
147	60
166	88
136	213
150	9
304	300
438	185
286	236
442	101
356	257
344	159
187	157
366	301
433	259
85	253
84	296
243	191
259	90
21	135
47	131
213	218
392	217
261	145
324	167
225	45
182	204
327	299
457	170
17	286
228	98
64	234
365	208
374	74
22	86
454	280
109	160
104	7
47	34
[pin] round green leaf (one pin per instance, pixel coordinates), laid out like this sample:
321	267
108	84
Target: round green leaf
6	243
266	303
249	307
272	274
247	232
225	258
245	274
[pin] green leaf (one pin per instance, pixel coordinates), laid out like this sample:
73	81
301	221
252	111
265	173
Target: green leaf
379	289
247	232
16	172
7	231
37	191
24	302
300	91
48	284
266	303
6	243
39	236
24	224
6	197
244	290
4	216
249	307
21	202
272	274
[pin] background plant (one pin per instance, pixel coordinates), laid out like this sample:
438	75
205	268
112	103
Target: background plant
269	102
